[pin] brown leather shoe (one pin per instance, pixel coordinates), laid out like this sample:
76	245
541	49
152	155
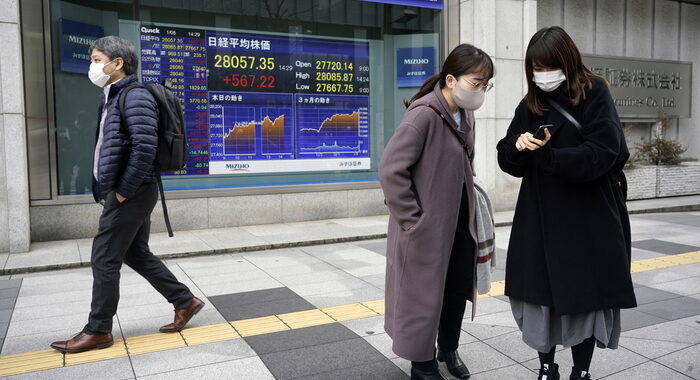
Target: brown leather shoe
182	316
83	342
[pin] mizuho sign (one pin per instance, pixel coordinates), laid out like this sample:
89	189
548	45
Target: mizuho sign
640	87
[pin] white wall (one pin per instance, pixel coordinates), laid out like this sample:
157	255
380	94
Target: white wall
689	50
502	28
654	29
14	187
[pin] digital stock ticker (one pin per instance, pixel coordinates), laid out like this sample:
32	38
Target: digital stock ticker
257	103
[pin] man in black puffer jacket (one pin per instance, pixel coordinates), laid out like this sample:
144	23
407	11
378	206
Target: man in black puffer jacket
124	180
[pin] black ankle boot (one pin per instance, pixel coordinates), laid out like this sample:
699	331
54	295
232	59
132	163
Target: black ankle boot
417	374
549	372
577	374
454	364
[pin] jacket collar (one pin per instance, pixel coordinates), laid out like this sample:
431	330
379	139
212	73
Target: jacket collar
445	108
560	95
118	86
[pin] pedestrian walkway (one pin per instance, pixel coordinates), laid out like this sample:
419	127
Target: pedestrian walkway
138	345
316	312
65	254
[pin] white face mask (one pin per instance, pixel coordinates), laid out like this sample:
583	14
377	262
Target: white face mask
467	100
548	81
97	76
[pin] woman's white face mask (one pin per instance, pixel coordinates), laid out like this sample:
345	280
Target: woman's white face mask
548	81
466	99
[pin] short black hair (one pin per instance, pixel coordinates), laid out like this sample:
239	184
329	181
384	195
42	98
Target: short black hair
115	47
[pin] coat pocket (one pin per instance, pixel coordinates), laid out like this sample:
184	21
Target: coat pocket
417	225
111	200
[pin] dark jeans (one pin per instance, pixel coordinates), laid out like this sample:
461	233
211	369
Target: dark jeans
459	287
453	306
459	284
123	238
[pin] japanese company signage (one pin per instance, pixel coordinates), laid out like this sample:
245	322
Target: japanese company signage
76	38
414	65
640	87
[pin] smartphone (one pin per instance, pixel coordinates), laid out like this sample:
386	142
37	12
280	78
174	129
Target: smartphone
539	134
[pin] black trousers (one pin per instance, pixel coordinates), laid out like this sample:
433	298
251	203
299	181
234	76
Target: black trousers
459	285
123	238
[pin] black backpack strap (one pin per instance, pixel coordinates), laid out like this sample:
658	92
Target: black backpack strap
122	101
162	202
619	175
122	114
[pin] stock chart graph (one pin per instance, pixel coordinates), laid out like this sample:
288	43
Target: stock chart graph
240	138
259	103
337	129
251	126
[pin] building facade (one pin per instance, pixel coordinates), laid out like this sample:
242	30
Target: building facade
288	104
643	35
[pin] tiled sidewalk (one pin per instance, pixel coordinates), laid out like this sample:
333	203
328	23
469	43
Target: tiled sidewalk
661	338
75	253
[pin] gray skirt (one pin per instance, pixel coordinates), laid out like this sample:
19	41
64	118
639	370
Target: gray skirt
543	329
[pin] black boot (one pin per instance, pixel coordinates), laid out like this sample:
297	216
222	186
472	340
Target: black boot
454	364
417	374
549	372
579	374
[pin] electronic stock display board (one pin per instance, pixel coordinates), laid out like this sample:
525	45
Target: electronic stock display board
259	103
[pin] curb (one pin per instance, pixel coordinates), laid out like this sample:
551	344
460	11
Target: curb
209	252
306	243
680	208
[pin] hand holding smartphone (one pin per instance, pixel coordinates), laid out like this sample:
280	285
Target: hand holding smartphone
524	141
539	134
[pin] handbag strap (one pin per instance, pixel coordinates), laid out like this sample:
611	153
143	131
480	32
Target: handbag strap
620	175
462	142
566	114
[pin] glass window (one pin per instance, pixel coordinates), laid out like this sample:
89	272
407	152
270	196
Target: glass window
275	92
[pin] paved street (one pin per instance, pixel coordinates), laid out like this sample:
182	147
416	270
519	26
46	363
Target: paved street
286	323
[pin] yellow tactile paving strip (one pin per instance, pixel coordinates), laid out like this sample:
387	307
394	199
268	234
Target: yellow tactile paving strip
144	344
257	326
136	345
30	362
209	334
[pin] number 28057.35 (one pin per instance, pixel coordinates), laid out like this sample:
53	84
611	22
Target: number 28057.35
244	62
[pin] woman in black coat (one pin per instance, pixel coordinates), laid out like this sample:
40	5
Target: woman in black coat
568	266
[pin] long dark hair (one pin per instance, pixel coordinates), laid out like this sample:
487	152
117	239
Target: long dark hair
553	47
463	59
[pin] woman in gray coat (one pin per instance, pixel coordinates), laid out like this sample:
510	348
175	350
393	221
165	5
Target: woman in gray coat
427	178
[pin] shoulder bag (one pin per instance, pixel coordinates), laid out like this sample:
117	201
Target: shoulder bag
621	178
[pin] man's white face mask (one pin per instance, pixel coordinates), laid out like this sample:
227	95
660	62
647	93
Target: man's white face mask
97	75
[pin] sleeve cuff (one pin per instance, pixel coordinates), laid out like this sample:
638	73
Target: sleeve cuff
124	192
544	157
513	154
